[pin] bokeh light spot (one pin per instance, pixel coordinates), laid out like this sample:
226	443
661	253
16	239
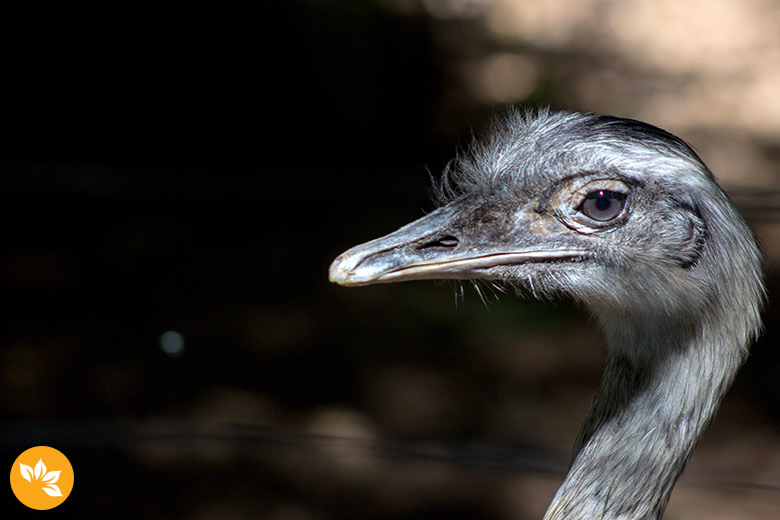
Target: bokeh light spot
172	343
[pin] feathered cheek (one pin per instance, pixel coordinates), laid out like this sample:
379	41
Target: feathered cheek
684	238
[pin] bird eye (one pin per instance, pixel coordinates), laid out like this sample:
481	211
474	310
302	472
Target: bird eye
603	205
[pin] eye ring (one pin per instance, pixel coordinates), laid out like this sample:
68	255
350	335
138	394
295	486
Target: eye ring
603	205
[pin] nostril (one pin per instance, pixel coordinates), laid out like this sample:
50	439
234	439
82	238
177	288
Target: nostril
448	241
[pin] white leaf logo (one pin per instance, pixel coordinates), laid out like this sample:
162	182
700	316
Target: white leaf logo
40	474
52	490
51	477
27	472
40	469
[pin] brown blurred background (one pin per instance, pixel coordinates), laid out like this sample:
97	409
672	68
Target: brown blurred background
166	318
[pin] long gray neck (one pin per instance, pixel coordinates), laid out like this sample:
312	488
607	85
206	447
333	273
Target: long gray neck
655	399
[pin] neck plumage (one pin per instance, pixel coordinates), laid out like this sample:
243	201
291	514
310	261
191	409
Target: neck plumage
650	410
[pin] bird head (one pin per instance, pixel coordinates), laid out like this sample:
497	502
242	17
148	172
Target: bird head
617	214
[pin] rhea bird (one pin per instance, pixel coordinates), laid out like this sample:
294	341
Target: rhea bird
626	219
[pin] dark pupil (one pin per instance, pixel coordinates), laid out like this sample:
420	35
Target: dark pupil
603	200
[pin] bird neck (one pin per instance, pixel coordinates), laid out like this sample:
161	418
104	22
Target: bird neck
658	392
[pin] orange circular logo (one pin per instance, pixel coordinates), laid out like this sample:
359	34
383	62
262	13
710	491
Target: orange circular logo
42	477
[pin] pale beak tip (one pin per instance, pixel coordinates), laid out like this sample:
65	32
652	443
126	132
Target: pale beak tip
341	273
336	273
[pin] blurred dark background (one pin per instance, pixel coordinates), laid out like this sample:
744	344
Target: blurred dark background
167	321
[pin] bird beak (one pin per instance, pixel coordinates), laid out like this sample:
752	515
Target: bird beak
446	245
